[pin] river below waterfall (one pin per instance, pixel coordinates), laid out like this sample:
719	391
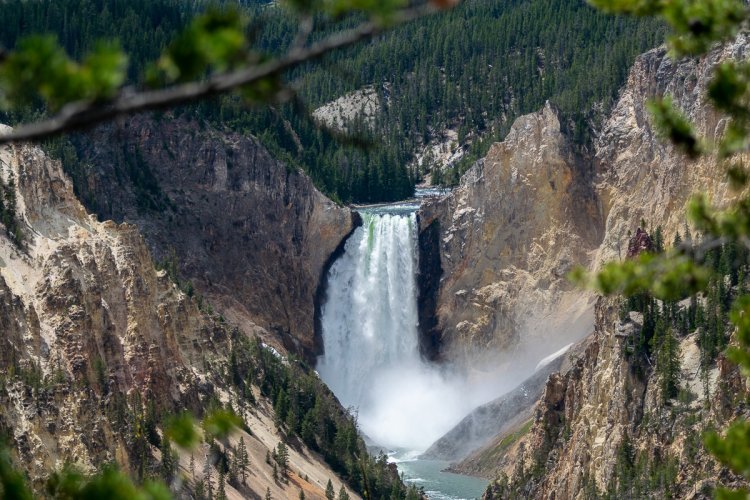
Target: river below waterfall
372	363
438	484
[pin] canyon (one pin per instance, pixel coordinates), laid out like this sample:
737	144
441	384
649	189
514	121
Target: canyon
250	233
251	245
96	339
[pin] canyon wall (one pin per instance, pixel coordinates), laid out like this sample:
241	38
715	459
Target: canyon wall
505	240
607	409
250	233
94	338
536	206
586	412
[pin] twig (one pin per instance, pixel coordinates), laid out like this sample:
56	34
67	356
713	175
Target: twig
305	28
82	114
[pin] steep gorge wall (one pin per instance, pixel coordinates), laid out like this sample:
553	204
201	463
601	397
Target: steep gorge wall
521	218
641	176
534	208
586	411
88	326
252	235
584	416
82	306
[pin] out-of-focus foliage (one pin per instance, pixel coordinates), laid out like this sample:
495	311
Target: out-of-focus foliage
69	483
667	277
696	24
216	41
39	68
213	42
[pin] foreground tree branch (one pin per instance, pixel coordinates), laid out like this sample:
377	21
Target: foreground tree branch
83	114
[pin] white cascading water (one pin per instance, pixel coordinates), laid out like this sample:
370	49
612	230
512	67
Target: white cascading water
370	338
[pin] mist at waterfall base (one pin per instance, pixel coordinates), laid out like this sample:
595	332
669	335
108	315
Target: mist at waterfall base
371	355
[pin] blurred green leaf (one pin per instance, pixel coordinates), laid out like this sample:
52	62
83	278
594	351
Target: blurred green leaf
39	68
380	10
666	277
66	483
696	24
12	483
734	448
182	431
114	485
214	41
738	176
672	124
220	423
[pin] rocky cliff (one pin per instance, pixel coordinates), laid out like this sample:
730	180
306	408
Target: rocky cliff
605	418
506	238
640	176
581	423
252	235
536	206
95	342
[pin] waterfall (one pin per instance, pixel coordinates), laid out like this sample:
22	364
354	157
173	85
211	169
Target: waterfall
369	320
369	323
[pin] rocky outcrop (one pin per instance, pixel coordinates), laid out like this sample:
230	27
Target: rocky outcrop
85	316
640	176
639	243
94	338
532	208
354	110
608	401
519	221
252	234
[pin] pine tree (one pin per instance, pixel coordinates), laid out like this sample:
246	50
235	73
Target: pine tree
168	460
343	495
268	493
330	493
659	240
301	495
207	480
668	365
199	490
280	407
244	461
221	492
282	457
234	469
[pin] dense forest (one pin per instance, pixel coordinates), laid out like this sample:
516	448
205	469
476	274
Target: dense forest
473	70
